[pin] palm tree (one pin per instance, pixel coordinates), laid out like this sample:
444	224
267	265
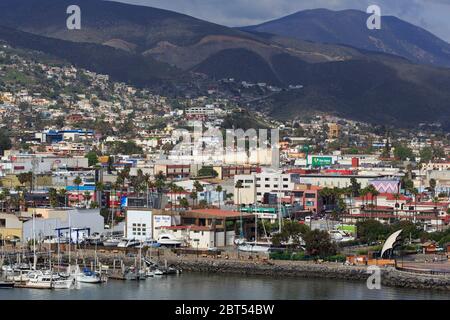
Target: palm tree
396	197
6	194
63	194
77	181
415	192
219	190
432	183
239	186
193	196
86	197
53	197
2	200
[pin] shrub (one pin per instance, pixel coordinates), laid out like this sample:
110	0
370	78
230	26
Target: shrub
336	258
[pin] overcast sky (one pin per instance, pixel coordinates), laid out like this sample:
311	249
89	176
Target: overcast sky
433	15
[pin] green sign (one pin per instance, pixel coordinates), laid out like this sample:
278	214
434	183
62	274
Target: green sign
321	161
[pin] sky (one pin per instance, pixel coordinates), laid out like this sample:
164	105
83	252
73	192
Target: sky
433	15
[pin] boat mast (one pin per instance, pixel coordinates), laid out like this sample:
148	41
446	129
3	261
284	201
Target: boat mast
279	203
34	241
70	237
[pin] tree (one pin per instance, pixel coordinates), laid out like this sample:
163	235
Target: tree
77	181
184	203
193	196
318	243
432	184
87	197
63	194
26	177
292	232
426	154
53	197
219	190
355	186
207	172
371	230
5	141
110	164
403	152
92	158
198	186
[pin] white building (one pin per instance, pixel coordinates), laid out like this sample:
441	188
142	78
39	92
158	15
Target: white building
138	224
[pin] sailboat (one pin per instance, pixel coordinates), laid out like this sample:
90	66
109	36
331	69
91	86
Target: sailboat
5	284
86	275
255	246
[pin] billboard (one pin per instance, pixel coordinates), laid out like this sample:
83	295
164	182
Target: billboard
321	161
162	221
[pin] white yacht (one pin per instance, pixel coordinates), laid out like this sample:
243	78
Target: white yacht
85	275
128	243
168	239
111	242
340	236
254	247
38	280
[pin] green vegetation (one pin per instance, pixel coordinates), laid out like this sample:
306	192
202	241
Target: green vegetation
92	158
403	153
128	148
207	172
5	141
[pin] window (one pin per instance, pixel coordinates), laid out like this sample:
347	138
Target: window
258	185
275	186
285	186
267	186
310	195
267	179
248	181
258	179
285	179
2	223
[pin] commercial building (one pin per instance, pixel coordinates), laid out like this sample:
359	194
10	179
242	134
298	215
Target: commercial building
10	226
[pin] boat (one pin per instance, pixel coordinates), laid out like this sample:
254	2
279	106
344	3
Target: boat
340	236
167	239
149	273
149	244
38	280
129	243
254	247
59	282
158	272
86	275
111	242
6	284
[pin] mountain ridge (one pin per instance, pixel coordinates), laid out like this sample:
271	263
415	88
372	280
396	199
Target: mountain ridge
348	27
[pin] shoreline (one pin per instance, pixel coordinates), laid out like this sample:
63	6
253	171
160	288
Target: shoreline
390	276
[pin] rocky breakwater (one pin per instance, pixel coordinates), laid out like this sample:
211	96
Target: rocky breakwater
389	276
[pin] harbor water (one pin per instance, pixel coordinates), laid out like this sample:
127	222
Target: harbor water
198	286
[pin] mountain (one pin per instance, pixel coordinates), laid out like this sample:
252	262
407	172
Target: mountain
143	45
348	27
121	65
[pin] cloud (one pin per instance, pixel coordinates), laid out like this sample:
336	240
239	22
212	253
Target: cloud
430	14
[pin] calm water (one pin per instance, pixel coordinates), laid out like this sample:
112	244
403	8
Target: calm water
198	286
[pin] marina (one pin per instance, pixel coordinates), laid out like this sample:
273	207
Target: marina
188	286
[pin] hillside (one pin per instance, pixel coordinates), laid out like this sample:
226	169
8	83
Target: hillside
142	45
348	27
